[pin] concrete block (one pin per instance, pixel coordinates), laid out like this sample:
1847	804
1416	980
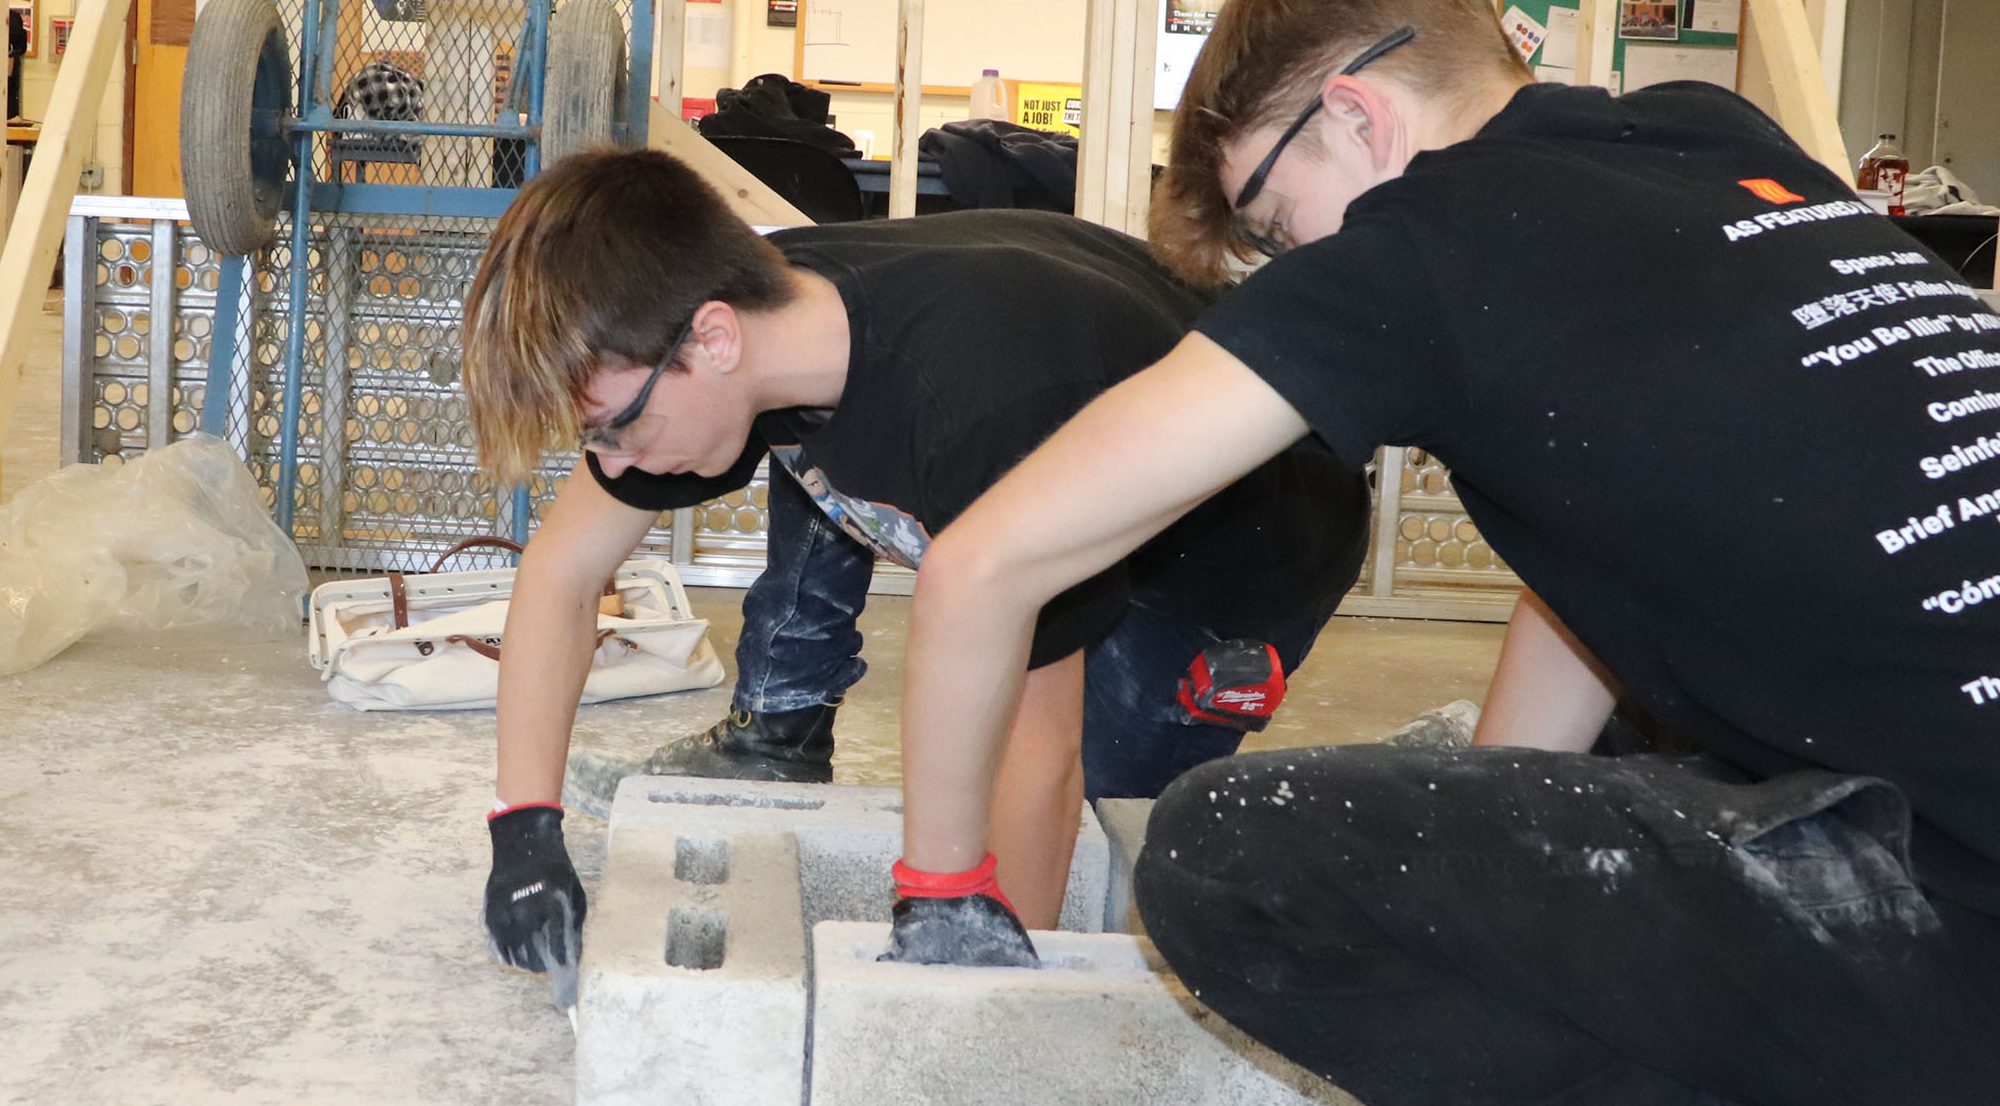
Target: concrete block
1102	1021
1124	822
847	838
694	972
695	983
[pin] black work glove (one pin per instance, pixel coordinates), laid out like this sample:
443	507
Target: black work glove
956	918
534	902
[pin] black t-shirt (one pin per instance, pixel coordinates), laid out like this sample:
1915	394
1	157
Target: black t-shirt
1738	432
975	336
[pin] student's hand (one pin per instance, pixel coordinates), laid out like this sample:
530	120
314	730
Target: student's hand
956	918
534	902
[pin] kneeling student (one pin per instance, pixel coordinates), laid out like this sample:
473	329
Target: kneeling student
1808	914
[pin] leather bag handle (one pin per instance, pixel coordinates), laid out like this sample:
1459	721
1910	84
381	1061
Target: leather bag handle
399	599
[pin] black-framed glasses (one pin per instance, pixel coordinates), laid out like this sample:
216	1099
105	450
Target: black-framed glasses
1252	188
609	434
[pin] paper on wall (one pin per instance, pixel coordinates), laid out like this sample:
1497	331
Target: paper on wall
1524	31
1650	65
1559	49
707	33
1720	16
1555	74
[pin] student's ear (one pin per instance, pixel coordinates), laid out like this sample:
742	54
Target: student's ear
716	337
1358	113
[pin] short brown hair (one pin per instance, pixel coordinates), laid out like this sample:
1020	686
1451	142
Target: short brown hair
1257	69
607	252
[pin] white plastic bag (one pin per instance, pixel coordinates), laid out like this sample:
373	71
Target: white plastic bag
178	537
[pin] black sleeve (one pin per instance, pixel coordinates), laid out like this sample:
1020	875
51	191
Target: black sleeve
655	492
1352	332
961	462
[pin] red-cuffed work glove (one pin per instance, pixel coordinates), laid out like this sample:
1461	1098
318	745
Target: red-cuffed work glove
956	918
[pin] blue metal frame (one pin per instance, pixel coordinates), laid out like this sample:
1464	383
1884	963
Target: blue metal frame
305	195
222	345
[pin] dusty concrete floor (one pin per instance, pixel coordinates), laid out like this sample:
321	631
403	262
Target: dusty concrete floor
225	889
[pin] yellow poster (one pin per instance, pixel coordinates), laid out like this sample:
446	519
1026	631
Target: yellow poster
1050	107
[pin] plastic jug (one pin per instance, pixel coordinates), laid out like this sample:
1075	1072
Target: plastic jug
989	97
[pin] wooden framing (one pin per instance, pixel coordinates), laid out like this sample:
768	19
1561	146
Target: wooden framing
1597	37
909	127
1115	154
1805	109
29	258
669	46
751	199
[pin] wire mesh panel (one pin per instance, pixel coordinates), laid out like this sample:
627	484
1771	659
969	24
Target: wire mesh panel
387	471
139	305
1436	542
431	61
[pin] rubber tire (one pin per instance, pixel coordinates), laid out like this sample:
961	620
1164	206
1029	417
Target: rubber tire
238	67
580	108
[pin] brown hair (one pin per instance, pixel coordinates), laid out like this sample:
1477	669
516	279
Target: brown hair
607	252
1260	64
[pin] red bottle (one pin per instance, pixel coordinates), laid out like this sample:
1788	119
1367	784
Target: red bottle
1884	168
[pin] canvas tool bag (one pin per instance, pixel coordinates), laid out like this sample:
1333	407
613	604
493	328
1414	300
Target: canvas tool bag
433	642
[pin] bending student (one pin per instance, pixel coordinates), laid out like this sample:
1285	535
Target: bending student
1745	508
893	371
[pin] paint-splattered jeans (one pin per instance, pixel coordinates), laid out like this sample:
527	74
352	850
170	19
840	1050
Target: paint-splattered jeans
799	647
1456	928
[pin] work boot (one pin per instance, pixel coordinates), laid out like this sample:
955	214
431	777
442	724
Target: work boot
788	746
1446	727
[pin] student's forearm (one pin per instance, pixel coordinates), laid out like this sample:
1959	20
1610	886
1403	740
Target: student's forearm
1548	691
1039	792
551	625
543	666
968	653
1129	464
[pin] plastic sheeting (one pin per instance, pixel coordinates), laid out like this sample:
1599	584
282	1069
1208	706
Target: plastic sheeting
178	537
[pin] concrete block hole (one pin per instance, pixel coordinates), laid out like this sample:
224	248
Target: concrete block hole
701	860
697	937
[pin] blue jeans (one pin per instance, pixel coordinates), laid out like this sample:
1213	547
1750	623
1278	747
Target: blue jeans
1135	739
799	649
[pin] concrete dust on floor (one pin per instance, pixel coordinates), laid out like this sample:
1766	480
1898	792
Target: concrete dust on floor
227	889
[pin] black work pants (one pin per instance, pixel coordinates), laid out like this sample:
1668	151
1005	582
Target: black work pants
1460	927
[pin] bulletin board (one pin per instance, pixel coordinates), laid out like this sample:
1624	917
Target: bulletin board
851	44
1657	40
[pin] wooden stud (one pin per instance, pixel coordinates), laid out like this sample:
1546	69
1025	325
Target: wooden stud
1094	146
1804	108
1597	36
669	54
28	261
1118	118
1139	164
909	108
752	200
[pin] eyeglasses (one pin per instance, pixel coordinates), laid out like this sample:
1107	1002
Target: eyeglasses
608	436
1263	241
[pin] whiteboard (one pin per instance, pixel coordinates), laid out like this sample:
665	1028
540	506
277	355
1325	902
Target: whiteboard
854	41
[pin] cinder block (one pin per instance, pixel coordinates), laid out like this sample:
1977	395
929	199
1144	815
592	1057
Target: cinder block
1100	1022
848	837
1124	822
694	972
695	965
